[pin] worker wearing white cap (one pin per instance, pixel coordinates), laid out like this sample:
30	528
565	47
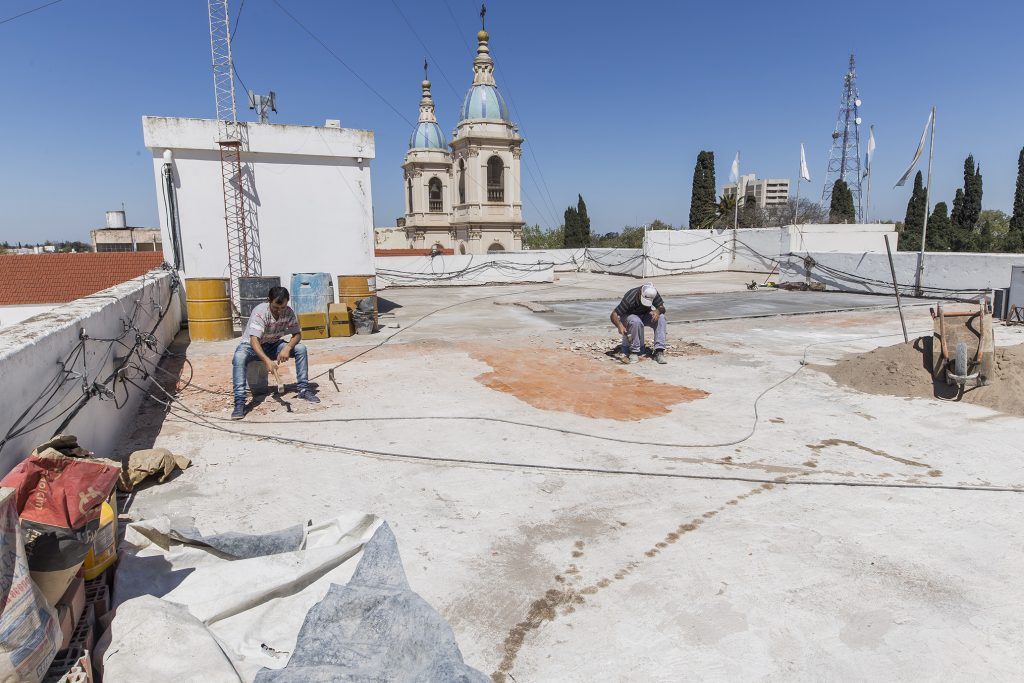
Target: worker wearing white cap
641	306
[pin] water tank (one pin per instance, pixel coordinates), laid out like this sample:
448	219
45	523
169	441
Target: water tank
116	219
311	292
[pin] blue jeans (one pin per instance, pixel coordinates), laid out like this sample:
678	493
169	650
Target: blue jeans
633	340
244	355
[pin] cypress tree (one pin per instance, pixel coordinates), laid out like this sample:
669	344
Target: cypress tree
584	221
941	233
913	224
703	203
841	209
572	229
1017	220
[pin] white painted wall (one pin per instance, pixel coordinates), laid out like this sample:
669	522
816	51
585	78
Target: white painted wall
12	315
315	211
29	353
471	269
964	274
564	260
862	237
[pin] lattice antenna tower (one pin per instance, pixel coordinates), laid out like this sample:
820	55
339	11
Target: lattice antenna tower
242	237
844	161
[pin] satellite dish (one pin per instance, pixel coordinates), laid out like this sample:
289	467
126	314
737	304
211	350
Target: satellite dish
857	120
856	102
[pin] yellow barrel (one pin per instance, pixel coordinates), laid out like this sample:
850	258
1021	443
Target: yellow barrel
352	288
209	308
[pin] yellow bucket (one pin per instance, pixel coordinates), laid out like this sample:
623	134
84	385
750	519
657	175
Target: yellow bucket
104	546
209	308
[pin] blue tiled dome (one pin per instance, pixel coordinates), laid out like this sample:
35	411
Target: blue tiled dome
484	102
427	135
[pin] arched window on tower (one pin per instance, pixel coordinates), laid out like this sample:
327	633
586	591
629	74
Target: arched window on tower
409	198
495	179
436	203
462	181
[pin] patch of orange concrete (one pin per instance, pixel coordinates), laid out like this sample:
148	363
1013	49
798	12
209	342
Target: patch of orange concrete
562	381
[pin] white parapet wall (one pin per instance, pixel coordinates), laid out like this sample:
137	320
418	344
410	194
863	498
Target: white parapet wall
41	393
838	237
312	202
953	275
464	269
673	252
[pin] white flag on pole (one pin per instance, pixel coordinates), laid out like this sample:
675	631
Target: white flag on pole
804	173
734	174
917	154
871	152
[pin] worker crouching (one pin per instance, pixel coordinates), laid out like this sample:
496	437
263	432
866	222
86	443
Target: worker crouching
641	306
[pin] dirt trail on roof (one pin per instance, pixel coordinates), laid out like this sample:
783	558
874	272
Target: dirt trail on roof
902	370
552	379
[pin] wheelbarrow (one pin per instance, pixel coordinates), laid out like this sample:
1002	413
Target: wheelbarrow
963	344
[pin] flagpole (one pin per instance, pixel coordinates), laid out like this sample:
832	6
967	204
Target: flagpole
736	212
799	175
867	202
927	208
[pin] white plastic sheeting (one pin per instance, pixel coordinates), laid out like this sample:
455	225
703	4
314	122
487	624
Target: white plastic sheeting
176	597
325	602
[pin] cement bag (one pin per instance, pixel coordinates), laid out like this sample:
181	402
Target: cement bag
58	495
29	630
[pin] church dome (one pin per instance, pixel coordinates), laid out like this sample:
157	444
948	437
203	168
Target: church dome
483	101
428	135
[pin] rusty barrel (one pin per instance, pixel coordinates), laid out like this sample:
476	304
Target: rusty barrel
352	288
208	300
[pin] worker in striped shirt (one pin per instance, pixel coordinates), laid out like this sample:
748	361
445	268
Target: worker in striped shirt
641	306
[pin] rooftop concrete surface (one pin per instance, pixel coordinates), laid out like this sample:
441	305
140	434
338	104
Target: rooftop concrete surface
715	562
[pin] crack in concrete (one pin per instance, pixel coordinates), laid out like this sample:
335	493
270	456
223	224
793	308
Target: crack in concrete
853	444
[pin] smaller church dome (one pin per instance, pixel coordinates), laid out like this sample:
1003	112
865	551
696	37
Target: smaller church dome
484	102
427	135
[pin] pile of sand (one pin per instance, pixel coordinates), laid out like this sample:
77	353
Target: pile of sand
903	370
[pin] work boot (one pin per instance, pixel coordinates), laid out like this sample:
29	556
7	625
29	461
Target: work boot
307	395
239	412
633	358
659	357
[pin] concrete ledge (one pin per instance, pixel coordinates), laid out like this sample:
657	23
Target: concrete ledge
31	353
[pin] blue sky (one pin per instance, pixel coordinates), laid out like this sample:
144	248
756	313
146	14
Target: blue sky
614	99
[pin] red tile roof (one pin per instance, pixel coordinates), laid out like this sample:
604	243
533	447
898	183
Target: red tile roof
60	278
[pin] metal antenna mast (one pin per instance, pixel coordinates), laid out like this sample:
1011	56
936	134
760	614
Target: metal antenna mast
844	161
243	238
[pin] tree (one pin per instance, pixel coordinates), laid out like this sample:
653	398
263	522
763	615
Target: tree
841	210
940	230
966	209
913	224
572	229
536	238
703	206
584	220
778	215
725	211
658	224
751	215
1017	221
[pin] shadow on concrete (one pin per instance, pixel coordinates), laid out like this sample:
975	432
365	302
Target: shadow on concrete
941	390
385	305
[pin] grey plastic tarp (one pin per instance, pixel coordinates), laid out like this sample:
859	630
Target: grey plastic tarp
325	602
